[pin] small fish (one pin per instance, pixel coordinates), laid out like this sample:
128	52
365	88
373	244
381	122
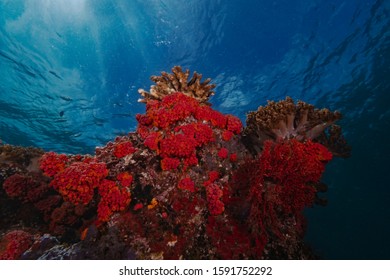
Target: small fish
89	233
62	113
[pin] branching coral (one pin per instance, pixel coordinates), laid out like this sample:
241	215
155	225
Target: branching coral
167	84
286	120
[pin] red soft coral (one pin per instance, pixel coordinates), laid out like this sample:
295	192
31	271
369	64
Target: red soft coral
169	163
17	185
213	176
233	157
202	133
187	184
223	153
293	162
113	199
216	118
234	124
214	203
52	163
125	179
123	149
177	146
171	109
177	127
282	186
25	188
78	181
192	160
152	140
227	135
14	244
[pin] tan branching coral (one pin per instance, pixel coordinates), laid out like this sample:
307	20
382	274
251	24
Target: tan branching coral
178	82
286	120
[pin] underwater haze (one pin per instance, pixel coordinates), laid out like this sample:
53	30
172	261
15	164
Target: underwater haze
70	71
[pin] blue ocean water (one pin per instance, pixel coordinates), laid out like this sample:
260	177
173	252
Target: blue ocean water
70	70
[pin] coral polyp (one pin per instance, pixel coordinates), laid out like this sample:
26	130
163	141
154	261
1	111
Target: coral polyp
189	183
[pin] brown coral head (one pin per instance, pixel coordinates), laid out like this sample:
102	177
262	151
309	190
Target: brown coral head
21	156
286	120
178	81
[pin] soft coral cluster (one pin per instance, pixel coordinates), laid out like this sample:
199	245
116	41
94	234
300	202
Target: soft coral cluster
78	181
293	163
177	107
123	149
14	243
52	163
77	178
25	188
230	240
177	126
281	185
181	139
125	179
113	199
187	184
214	194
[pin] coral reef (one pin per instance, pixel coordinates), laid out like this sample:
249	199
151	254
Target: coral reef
189	183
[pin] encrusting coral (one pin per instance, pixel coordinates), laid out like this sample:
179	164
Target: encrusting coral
189	183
